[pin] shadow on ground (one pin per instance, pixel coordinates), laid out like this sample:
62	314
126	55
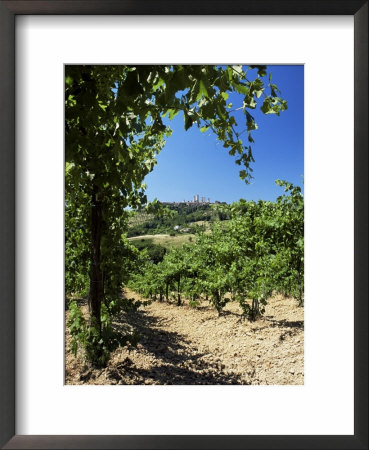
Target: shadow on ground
285	323
174	360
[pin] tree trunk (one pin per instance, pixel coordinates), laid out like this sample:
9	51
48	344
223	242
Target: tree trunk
217	302
255	308
96	293
167	292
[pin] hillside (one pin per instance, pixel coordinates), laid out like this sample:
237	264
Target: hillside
165	240
183	218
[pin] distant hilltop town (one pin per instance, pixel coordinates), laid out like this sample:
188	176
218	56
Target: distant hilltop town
197	200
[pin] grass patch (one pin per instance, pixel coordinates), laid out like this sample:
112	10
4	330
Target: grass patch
168	241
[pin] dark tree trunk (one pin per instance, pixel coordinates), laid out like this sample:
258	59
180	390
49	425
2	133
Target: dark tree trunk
255	308
167	292
217	303
96	294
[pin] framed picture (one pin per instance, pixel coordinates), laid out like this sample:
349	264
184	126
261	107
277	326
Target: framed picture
40	410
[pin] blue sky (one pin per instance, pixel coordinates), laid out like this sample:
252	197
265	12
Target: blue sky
196	163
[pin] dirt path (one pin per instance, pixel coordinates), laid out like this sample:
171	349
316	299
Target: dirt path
181	345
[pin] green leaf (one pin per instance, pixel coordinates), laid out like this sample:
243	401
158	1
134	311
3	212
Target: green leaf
68	80
188	121
68	166
275	88
202	90
250	102
157	85
262	71
240	88
173	113
237	69
225	95
258	93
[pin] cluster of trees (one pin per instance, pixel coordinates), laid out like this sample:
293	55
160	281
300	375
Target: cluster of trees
155	252
258	251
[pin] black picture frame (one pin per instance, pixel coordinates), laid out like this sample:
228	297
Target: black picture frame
8	11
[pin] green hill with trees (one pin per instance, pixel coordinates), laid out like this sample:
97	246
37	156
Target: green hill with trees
180	218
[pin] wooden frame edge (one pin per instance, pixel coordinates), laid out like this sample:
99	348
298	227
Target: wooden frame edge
8	11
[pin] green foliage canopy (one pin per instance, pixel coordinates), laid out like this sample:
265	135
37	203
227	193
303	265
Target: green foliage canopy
113	132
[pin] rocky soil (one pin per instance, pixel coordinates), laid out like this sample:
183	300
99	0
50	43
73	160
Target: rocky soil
183	345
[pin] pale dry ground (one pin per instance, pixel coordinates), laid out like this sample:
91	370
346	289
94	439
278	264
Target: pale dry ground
182	345
148	236
166	240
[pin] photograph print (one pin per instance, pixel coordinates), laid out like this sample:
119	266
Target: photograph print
184	224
